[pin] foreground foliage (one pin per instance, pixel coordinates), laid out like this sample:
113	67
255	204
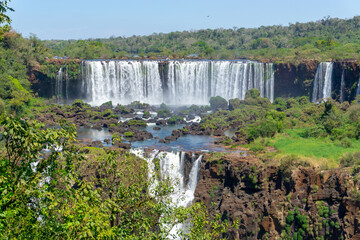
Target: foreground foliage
50	190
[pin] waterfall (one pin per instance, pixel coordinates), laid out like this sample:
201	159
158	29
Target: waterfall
322	82
342	86
172	166
186	82
194	82
59	84
122	82
62	85
358	91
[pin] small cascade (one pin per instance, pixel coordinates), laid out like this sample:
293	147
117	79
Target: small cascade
59	84
184	83
342	86
67	83
172	166
358	91
62	85
322	82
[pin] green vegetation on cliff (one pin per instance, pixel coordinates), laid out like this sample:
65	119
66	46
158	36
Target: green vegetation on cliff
322	132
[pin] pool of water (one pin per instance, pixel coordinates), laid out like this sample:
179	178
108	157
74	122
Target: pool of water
184	143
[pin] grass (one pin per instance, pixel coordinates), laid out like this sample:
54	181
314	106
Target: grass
318	150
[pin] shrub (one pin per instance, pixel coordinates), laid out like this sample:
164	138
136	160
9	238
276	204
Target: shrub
350	159
146	114
134	122
280	104
217	103
174	119
291	102
164	113
257	147
252	93
163	106
79	103
128	134
2	106
271	124
346	143
234	103
122	109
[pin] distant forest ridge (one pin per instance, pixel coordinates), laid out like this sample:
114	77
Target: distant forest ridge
324	40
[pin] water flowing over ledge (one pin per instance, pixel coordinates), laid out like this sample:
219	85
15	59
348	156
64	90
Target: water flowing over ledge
172	165
173	82
323	81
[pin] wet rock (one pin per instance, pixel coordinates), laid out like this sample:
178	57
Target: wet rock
163	141
123	145
161	122
85	140
219	132
96	143
157	128
171	138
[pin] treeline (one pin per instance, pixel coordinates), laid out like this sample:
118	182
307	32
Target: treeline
326	39
19	58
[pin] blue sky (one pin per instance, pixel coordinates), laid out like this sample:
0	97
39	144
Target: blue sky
82	19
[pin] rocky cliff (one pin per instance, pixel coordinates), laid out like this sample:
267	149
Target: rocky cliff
294	80
272	201
291	80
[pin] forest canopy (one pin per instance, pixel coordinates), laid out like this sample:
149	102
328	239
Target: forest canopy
325	39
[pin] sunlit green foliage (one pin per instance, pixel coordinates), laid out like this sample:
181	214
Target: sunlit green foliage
49	190
326	39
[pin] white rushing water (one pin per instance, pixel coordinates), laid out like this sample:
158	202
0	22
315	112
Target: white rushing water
62	84
196	81
358	91
342	85
122	82
322	82
186	82
172	166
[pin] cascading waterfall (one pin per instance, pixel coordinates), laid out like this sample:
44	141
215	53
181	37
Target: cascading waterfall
196	81
342	84
172	166
322	82
187	82
358	91
58	84
62	84
122	82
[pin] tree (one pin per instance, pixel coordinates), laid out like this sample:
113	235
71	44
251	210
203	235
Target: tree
29	174
5	20
217	103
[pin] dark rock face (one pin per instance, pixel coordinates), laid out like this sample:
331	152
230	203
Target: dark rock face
351	72
270	204
297	80
294	80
